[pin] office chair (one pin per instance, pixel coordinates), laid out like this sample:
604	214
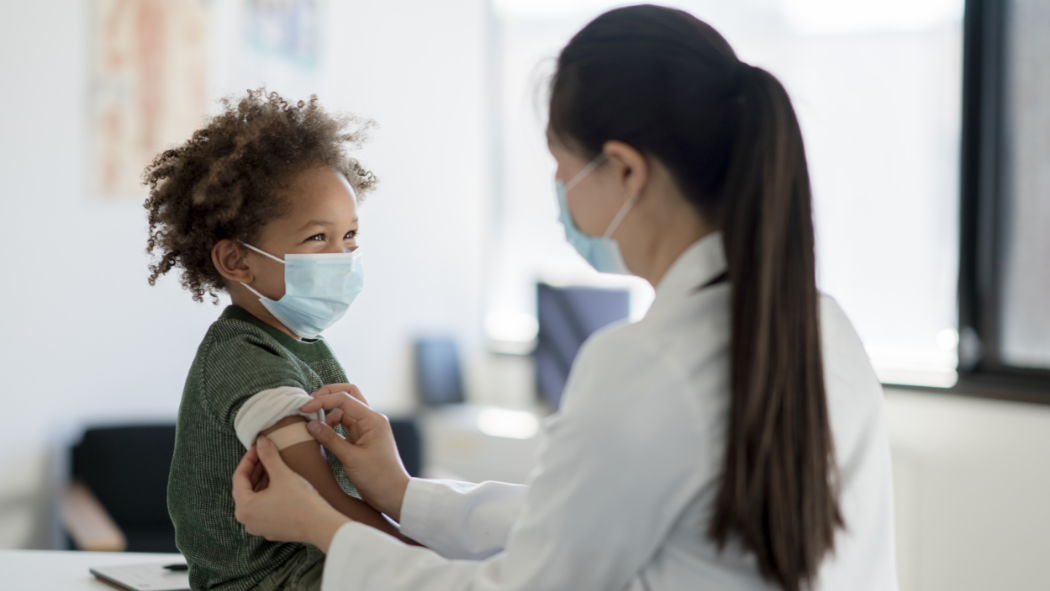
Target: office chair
116	498
409	444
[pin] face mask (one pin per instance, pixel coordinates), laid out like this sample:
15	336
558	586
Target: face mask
318	290
602	252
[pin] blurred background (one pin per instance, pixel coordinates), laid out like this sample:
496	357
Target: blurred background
931	231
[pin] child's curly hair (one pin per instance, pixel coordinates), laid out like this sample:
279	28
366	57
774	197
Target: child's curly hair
226	181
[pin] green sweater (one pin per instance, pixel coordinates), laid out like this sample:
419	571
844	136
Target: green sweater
239	357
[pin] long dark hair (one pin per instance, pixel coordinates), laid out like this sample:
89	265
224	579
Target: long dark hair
669	85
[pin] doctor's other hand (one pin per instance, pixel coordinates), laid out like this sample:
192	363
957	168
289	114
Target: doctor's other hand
289	509
348	389
369	454
335	415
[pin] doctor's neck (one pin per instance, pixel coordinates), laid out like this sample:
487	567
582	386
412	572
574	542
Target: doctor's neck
661	225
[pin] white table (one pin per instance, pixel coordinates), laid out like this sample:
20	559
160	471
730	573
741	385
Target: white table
46	570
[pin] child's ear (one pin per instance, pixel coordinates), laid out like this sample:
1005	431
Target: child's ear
228	258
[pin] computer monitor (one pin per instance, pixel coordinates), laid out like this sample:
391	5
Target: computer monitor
567	317
438	374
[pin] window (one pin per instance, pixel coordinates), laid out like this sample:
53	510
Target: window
1026	298
877	87
1005	278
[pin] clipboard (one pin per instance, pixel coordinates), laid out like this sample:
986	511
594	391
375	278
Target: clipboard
143	577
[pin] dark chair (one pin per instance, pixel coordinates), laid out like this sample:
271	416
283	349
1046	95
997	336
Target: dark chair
116	499
409	444
117	496
439	378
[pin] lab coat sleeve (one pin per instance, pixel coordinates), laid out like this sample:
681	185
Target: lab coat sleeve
616	469
460	519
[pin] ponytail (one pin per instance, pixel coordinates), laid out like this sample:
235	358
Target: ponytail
670	86
778	488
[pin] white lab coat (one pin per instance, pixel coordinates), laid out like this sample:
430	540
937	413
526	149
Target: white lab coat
629	469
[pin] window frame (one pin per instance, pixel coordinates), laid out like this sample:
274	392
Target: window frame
983	203
983	208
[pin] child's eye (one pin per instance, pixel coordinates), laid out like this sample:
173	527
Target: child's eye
318	237
350	235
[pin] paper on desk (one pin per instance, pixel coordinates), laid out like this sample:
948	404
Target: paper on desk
144	577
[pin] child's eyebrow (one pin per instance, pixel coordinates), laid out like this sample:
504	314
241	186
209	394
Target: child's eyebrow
322	223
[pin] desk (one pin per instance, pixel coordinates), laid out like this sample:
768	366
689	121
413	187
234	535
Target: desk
46	570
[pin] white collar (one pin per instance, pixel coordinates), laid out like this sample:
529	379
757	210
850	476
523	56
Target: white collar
698	265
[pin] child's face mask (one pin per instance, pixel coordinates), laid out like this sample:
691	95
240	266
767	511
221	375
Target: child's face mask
318	290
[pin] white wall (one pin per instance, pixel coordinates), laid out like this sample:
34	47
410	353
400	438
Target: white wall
972	481
87	339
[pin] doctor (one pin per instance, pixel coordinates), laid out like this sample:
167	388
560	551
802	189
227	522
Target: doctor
732	439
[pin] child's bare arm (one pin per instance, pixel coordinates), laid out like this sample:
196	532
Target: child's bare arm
306	459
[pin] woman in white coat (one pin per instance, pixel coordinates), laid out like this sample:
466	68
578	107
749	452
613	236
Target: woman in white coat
732	439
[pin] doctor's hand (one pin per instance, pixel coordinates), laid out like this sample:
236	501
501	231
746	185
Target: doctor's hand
335	415
289	509
369	454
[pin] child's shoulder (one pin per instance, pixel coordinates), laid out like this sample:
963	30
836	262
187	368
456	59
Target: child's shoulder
237	333
237	343
239	358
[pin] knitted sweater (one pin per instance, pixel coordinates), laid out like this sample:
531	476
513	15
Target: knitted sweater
239	357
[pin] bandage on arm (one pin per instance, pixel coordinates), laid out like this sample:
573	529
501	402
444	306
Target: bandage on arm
303	454
289	435
264	409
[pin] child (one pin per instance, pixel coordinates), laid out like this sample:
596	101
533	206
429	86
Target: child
261	204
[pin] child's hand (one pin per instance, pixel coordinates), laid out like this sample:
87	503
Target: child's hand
289	509
369	454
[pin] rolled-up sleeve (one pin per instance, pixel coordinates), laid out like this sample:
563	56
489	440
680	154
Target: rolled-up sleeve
266	408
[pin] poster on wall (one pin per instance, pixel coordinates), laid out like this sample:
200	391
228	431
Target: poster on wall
149	83
282	45
285	29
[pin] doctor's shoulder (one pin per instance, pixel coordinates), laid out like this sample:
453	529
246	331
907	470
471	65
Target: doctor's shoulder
843	351
628	358
856	403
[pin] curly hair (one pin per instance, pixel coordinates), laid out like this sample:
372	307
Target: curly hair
227	180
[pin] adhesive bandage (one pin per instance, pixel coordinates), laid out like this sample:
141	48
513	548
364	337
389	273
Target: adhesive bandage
286	437
266	408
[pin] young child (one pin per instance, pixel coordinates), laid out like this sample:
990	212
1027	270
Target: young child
260	204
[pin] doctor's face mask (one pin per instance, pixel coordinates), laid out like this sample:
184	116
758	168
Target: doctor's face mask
602	252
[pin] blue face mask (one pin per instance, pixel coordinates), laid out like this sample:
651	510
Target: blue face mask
318	290
602	252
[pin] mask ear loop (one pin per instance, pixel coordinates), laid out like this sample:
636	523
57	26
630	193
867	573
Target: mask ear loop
621	214
586	171
623	210
264	253
259	295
